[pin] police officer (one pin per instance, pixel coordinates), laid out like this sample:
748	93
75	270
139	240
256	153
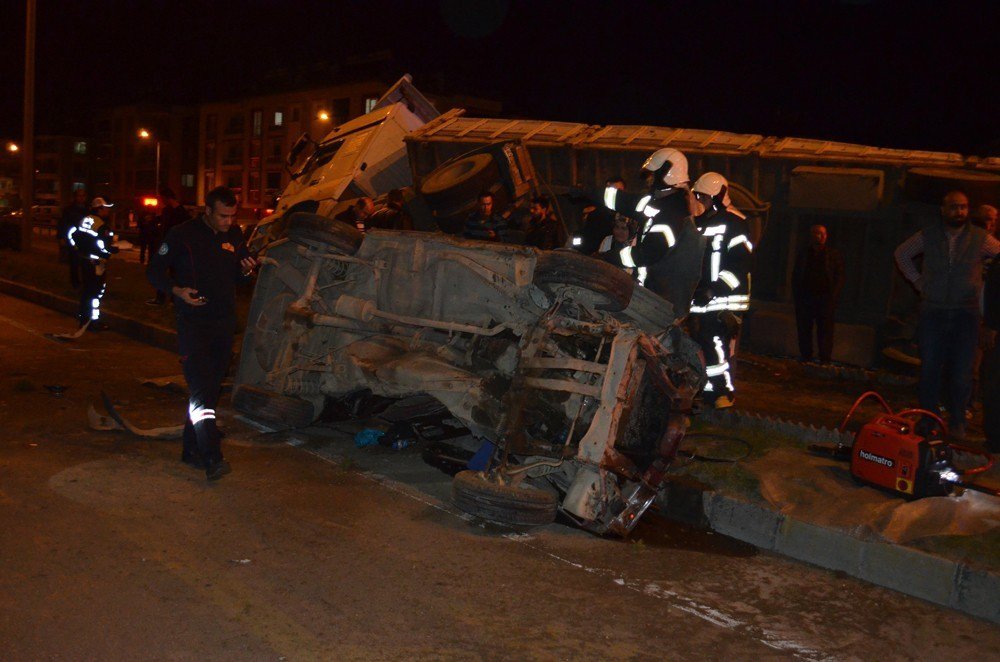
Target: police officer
91	239
724	290
669	249
200	262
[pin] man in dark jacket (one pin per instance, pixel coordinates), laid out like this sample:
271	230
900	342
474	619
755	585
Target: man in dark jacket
200	262
950	282
544	230
71	217
817	279
485	223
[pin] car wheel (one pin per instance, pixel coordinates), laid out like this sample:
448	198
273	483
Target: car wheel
604	286
457	182
284	410
342	237
649	311
520	505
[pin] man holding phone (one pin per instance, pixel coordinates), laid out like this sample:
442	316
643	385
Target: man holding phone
200	262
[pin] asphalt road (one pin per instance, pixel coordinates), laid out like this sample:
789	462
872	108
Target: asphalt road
110	548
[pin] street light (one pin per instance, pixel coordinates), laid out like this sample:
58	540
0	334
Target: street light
323	116
146	135
13	148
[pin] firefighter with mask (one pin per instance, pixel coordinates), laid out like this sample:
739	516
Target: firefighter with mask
92	238
723	293
668	250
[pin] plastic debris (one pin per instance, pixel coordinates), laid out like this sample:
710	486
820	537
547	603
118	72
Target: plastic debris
367	437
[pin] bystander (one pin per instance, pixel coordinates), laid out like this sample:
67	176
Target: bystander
949	281
544	229
817	279
485	223
358	213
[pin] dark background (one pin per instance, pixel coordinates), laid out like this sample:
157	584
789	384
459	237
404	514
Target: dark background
912	74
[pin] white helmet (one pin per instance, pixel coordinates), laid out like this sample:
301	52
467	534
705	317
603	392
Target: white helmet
668	166
711	184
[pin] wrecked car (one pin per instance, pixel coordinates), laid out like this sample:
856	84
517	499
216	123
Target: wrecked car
578	376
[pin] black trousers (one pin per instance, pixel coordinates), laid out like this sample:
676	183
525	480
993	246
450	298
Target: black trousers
93	290
714	336
989	380
205	349
817	312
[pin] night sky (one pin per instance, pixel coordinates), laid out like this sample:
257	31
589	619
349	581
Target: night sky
910	74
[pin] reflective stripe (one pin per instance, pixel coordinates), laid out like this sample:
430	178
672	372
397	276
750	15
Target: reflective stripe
626	256
716	370
716	260
643	202
69	237
577	241
713	230
100	244
717	243
730	279
741	239
719	350
610	196
650	212
666	231
642	275
198	414
736	302
708	387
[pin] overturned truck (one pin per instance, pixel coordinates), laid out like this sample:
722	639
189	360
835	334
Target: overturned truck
579	377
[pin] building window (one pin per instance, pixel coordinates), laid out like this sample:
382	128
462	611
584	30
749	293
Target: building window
210	154
295	113
258	121
273	181
80	147
211	125
370	104
275	152
233	154
234	126
187	181
78	185
279	118
234	180
253	188
209	180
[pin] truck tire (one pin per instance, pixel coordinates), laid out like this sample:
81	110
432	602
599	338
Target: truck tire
454	183
284	410
610	288
523	505
650	312
313	227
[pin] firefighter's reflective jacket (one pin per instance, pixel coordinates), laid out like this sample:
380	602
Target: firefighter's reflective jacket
91	238
725	281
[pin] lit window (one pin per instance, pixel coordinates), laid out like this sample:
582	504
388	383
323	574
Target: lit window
279	118
80	147
370	104
187	180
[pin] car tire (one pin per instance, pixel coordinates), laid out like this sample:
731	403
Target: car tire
649	311
609	287
520	505
303	226
454	183
284	410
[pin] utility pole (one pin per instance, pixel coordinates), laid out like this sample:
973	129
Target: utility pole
28	143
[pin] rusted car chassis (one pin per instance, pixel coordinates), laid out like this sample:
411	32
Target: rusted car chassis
579	377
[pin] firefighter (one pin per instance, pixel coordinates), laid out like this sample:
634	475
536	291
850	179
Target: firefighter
669	249
92	239
723	293
200	262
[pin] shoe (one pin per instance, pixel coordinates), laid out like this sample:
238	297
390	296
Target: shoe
154	302
217	470
193	461
724	402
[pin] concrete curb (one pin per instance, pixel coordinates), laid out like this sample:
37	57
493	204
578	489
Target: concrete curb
150	334
970	590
